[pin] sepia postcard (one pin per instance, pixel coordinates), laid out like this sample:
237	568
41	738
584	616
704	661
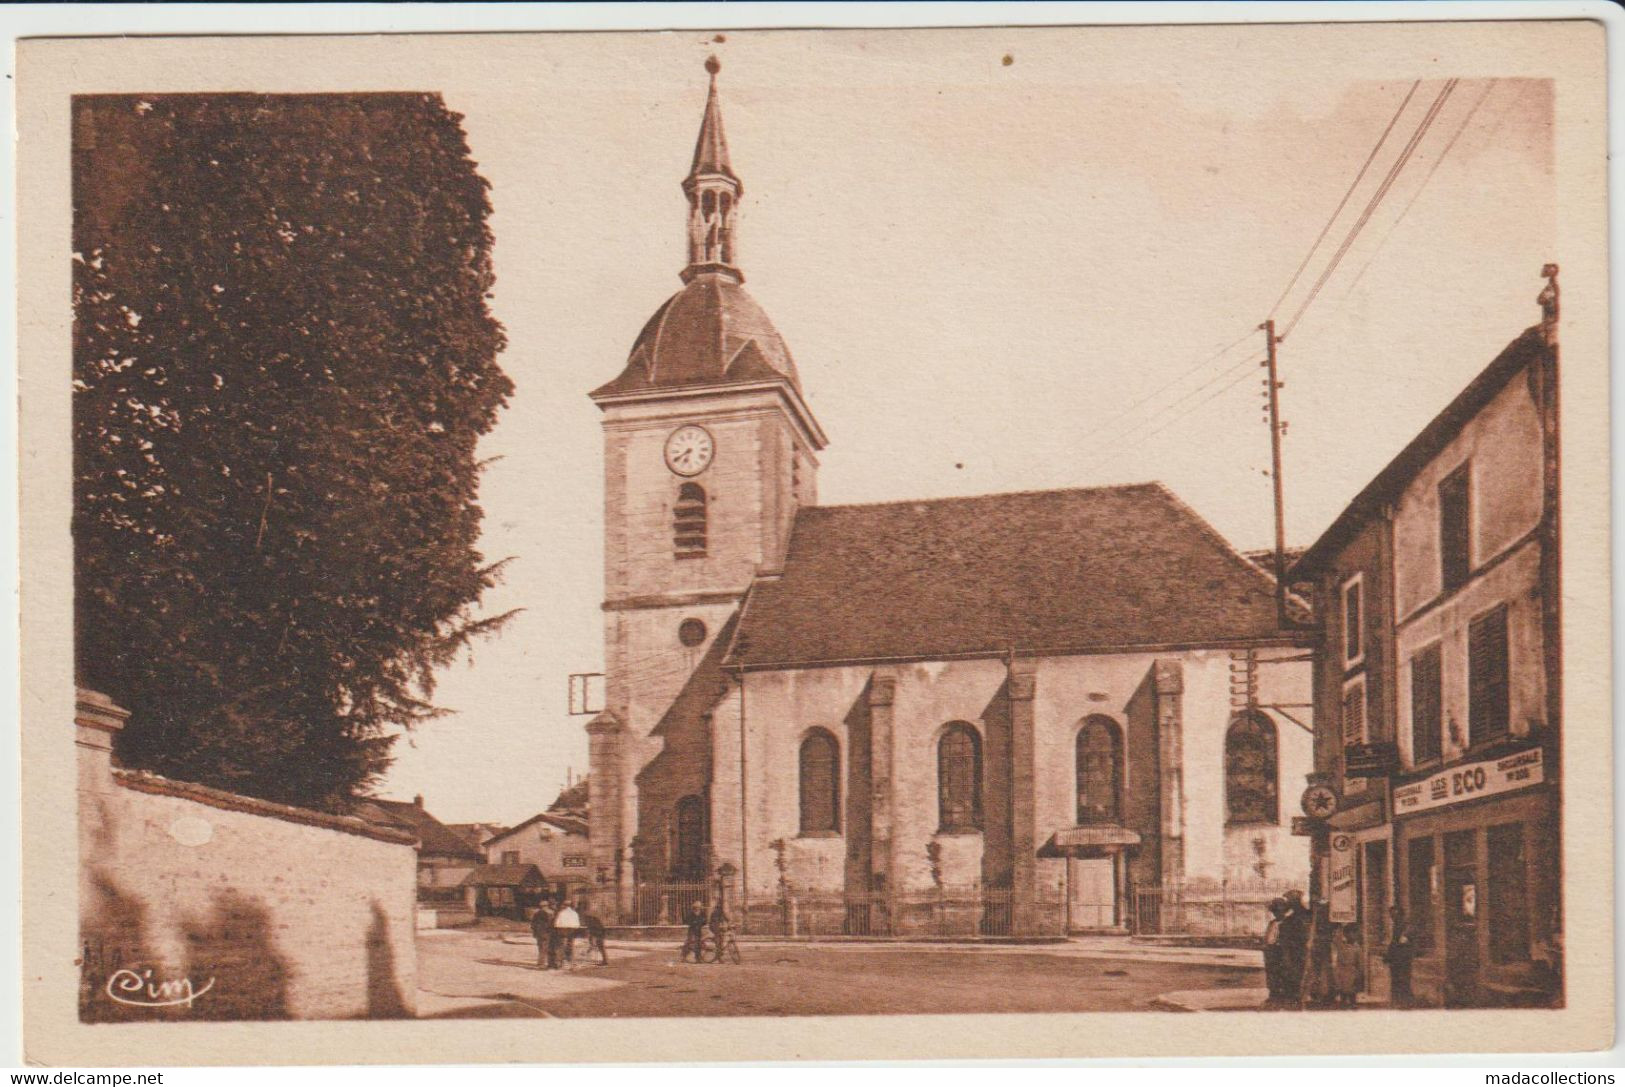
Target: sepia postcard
816	544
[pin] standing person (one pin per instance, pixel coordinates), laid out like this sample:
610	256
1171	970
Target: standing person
1294	945
567	922
541	927
1400	954
1347	973
594	928
696	931
1274	975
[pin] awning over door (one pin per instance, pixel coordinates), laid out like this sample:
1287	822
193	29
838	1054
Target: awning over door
1091	841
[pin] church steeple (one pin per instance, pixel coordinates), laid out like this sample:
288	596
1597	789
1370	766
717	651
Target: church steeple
713	195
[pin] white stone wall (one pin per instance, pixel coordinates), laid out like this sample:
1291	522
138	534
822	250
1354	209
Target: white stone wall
781	706
266	916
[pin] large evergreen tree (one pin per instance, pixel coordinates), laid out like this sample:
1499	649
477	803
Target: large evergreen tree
283	361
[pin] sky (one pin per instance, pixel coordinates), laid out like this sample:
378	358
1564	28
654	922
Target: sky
1003	260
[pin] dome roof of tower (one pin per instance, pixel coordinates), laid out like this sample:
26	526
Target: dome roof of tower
711	332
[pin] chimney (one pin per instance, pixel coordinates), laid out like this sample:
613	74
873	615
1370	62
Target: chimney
418	800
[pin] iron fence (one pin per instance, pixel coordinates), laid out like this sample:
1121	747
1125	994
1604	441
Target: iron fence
948	912
1205	907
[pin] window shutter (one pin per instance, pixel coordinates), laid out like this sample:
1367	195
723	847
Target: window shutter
1354	714
1427	705
1487	709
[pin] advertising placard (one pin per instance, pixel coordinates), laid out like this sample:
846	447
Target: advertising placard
1471	782
1345	894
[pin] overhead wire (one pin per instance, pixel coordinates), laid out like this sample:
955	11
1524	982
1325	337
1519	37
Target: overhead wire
1373	203
1460	128
1128	412
1341	204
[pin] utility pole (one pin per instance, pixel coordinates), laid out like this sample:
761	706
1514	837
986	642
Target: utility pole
1276	429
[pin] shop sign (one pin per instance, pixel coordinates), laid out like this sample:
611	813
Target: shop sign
1471	782
1369	760
575	860
1345	892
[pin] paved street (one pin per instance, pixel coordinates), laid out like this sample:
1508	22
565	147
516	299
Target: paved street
481	974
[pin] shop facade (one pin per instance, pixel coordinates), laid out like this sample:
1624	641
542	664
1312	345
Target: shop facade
1438	696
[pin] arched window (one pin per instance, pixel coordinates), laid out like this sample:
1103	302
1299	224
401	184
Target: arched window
959	778
688	845
1100	772
688	521
820	783
1250	770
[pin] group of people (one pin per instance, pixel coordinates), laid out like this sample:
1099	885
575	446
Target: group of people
698	919
556	924
1310	961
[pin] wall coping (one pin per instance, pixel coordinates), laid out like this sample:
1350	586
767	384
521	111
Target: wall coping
142	781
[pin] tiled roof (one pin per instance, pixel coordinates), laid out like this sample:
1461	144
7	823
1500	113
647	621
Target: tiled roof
1387	485
503	875
564	821
433	835
1071	570
712	332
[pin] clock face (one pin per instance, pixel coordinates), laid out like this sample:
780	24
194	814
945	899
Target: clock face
1319	802
689	450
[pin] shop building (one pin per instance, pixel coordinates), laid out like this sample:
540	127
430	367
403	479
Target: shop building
1438	692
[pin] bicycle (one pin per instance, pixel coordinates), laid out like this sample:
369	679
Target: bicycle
716	947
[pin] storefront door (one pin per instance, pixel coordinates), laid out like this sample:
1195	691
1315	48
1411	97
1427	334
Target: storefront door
1461	908
1374	914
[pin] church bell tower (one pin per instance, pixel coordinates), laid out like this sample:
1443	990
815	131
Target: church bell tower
709	449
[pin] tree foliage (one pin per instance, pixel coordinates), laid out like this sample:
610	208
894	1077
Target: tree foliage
283	361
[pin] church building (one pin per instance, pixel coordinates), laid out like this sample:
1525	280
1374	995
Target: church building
1069	708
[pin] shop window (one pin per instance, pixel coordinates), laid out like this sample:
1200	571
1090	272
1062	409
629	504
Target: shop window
1508	894
820	783
688	522
1100	773
1353	621
959	778
1488	711
1455	527
1420	878
1250	770
1427	705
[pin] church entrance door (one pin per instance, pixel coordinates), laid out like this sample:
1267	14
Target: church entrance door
1091	886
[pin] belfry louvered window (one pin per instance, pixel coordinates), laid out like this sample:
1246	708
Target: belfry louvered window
688	522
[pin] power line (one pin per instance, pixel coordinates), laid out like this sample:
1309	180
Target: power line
1226	387
1341	204
1462	127
1373	203
1134	436
1164	387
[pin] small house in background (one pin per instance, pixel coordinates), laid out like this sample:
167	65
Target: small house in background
554	842
475	834
445	858
503	890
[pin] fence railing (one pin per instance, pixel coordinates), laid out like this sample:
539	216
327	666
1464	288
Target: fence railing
1205	907
957	912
